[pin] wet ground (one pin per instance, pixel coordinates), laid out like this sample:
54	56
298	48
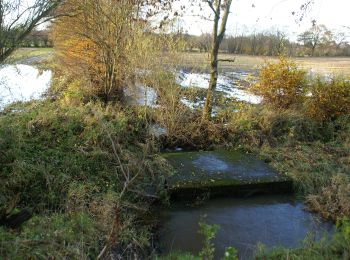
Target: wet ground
274	220
233	84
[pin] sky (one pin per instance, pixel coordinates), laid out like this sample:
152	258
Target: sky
271	14
259	15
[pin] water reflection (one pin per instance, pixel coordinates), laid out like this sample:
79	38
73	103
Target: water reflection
22	83
244	222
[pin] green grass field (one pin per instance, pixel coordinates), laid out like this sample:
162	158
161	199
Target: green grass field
200	61
30	55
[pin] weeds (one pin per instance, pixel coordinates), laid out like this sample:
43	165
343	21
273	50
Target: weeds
329	99
335	248
209	233
82	172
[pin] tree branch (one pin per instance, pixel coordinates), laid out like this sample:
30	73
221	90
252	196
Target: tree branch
227	60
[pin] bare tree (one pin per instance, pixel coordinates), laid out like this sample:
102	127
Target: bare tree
313	37
221	11
18	18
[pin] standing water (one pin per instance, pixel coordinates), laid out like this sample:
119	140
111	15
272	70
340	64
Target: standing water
22	83
273	220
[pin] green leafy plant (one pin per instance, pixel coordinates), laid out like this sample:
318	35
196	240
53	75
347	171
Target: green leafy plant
209	232
230	254
343	227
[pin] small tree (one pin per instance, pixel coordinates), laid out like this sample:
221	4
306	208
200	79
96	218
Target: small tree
109	42
221	11
313	37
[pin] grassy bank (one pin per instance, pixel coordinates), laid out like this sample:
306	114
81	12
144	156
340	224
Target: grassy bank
85	176
314	154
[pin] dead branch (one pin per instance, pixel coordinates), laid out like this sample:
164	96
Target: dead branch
227	60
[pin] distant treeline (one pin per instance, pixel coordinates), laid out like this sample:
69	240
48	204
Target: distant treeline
38	38
317	41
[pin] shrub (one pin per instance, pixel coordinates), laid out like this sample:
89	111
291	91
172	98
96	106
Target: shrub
281	84
329	99
254	126
333	200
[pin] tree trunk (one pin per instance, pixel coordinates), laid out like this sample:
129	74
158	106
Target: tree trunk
208	108
218	35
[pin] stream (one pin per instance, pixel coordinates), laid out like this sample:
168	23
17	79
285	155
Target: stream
273	220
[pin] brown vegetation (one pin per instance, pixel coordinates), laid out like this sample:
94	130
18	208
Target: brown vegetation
281	84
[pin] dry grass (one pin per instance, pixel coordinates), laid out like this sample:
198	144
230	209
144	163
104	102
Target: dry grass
200	61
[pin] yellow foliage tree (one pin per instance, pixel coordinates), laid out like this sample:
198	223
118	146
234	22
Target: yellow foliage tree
106	42
281	84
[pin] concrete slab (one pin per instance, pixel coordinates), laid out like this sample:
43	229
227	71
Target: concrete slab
222	172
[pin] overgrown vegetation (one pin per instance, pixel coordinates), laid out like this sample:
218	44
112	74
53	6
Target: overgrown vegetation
281	84
303	131
82	171
79	169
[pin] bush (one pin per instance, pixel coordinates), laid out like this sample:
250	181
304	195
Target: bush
333	200
281	84
255	126
329	99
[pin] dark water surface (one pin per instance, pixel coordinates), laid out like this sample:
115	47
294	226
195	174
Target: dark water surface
244	222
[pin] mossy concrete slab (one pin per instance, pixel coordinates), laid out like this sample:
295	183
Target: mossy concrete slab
222	172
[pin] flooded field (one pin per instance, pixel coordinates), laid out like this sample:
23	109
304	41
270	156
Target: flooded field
22	83
232	84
